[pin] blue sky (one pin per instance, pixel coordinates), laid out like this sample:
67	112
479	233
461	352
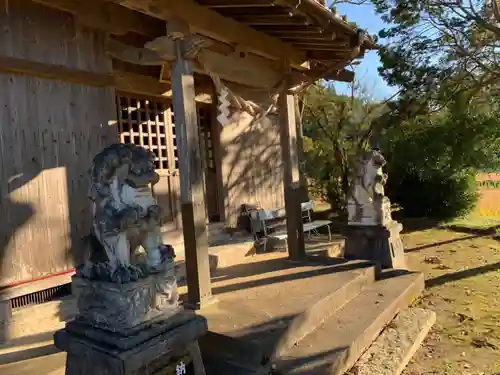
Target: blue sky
366	72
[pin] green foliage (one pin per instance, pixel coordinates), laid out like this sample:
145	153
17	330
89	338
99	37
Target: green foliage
433	159
435	50
435	194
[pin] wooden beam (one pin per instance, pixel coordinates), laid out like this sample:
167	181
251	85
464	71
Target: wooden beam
134	55
208	22
318	39
290	156
12	65
108	16
122	81
270	20
343	75
297	30
326	48
218	4
233	68
192	194
150	86
143	85
239	70
322	55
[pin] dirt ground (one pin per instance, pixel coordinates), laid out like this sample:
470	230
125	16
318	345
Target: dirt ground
462	269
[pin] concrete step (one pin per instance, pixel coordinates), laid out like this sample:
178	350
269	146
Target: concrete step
299	307
335	346
393	349
53	364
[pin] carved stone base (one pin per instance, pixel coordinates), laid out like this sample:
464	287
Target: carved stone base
126	308
167	348
376	213
381	244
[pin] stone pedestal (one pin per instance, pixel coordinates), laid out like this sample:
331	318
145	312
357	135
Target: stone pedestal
379	243
166	347
136	328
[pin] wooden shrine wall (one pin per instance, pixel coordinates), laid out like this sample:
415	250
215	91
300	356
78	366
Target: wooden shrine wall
252	169
49	132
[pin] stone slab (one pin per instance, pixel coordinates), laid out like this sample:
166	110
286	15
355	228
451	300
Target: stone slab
132	338
335	347
396	345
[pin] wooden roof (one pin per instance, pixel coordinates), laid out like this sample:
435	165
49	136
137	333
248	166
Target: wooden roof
267	33
306	24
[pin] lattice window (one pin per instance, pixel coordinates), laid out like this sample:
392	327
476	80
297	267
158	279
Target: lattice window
143	122
150	123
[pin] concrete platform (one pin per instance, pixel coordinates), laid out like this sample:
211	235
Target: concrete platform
267	306
314	317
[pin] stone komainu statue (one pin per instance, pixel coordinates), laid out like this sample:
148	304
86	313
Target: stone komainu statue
368	204
123	208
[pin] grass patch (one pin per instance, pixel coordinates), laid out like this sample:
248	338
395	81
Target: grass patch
475	224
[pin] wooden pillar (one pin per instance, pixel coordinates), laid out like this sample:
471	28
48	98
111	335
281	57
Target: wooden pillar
290	156
194	221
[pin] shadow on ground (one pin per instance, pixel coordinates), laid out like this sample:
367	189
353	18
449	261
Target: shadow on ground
455	276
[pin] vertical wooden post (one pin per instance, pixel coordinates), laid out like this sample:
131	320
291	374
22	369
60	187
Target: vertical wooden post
290	156
194	221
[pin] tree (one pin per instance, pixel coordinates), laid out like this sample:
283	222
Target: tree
433	159
438	49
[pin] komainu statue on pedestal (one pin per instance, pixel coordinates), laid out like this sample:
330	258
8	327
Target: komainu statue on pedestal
113	292
129	319
368	204
371	232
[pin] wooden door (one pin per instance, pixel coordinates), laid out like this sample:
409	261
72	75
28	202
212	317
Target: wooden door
148	122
